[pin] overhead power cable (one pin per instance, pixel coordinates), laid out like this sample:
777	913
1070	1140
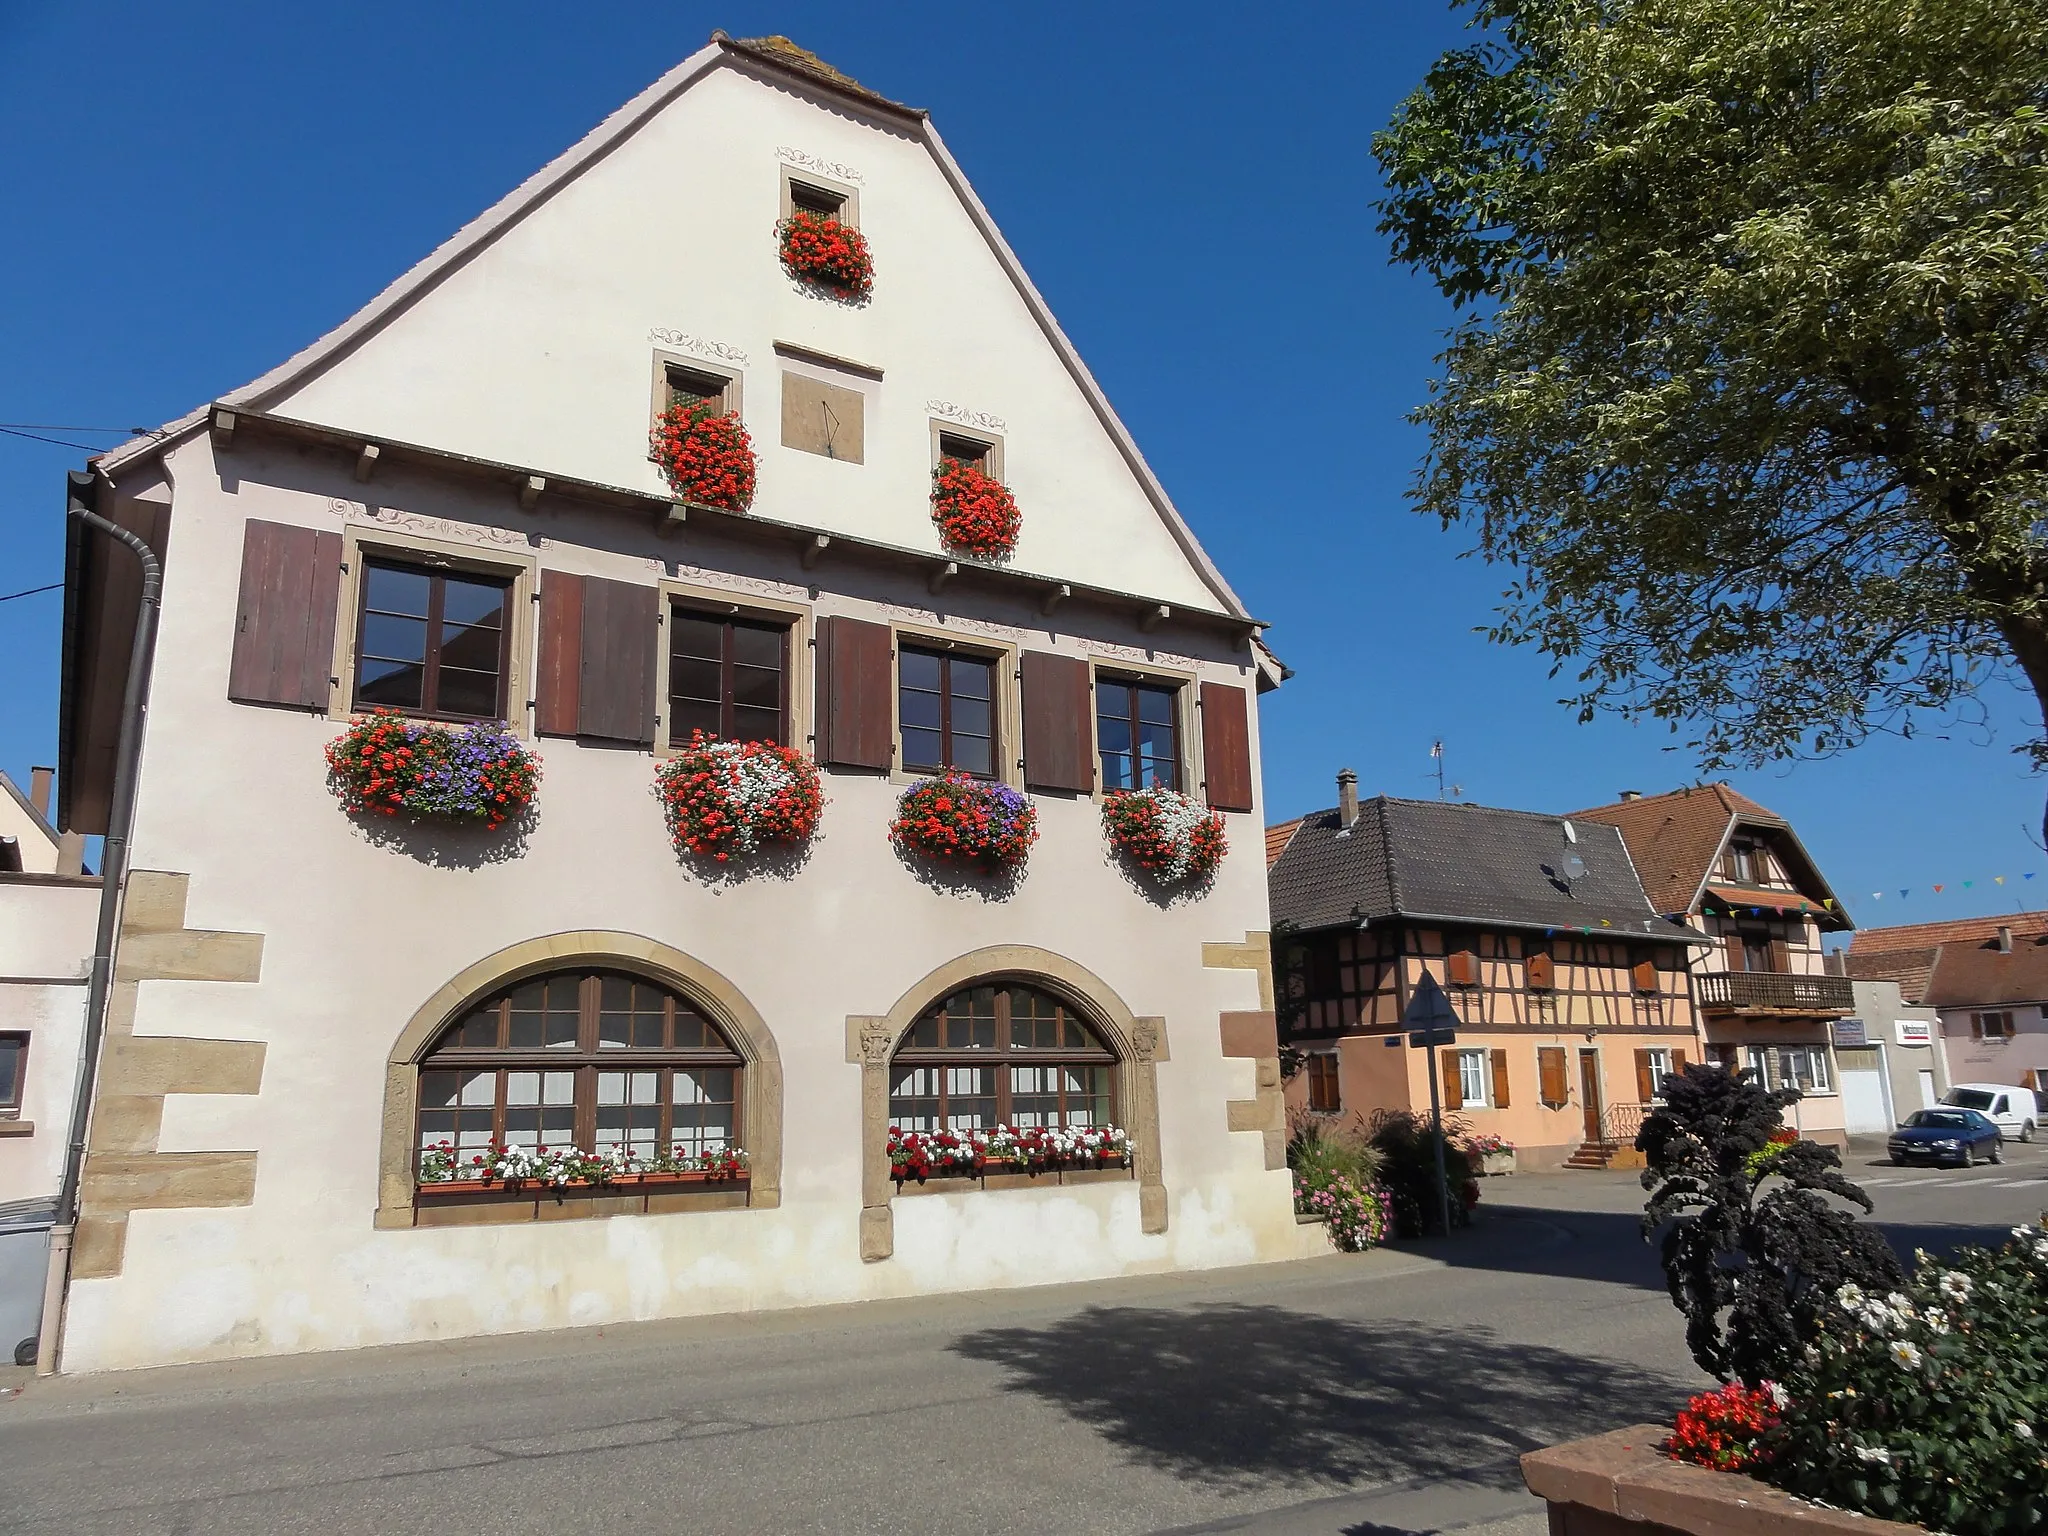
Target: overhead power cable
31	592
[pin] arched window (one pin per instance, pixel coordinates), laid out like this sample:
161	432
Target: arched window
1001	1054
591	1059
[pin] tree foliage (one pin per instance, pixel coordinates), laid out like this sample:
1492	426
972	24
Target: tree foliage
1753	1252
1749	386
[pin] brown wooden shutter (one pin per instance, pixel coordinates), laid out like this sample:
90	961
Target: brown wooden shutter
1550	1066
1646	1080
856	703
615	675
1738	959
284	618
1453	1082
1500	1079
1541	972
1645	973
557	691
1677	1062
1226	747
1059	747
1781	956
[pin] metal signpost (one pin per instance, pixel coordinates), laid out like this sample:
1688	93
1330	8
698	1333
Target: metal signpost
1433	1022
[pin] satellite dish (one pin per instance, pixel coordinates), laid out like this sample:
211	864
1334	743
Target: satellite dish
1574	868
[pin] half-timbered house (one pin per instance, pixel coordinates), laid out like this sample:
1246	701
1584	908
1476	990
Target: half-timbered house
1572	993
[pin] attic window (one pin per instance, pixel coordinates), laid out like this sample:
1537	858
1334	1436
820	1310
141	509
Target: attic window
965	449
689	386
984	450
805	198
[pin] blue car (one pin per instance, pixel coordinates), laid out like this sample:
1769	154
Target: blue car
1956	1136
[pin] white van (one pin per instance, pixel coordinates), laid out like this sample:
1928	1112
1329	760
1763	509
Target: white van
2013	1110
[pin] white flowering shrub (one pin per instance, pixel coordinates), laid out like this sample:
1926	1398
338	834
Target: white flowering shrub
1929	1404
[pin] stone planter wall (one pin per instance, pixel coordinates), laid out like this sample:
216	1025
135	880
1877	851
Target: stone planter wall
1492	1164
1620	1484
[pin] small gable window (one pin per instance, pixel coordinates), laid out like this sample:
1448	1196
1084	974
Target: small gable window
804	197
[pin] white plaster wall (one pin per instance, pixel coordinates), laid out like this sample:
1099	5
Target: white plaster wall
358	936
537	351
38	850
46	934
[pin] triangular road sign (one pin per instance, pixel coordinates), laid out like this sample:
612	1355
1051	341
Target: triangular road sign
1430	1017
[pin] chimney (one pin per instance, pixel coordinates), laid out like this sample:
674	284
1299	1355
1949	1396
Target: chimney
1347	796
39	790
2005	938
1631	794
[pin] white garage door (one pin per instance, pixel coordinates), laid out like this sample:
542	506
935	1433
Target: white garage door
1862	1090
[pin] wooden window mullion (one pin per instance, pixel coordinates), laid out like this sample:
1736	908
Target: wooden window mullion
726	719
430	664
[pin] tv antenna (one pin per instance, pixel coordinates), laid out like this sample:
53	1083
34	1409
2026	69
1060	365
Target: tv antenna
1436	752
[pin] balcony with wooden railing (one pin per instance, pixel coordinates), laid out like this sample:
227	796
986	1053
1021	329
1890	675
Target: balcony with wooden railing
1774	992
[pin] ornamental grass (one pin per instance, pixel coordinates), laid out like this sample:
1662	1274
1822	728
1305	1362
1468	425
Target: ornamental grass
975	512
387	765
1169	835
819	248
727	799
960	819
707	455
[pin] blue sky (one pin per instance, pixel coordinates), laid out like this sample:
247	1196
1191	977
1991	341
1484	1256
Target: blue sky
192	193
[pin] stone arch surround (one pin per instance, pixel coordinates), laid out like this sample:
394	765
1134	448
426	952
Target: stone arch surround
724	1002
1139	1042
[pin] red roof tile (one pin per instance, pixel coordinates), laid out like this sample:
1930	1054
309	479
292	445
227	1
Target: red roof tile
1954	930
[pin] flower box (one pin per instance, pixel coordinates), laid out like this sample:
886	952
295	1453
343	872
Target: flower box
1171	836
976	514
532	1189
915	1156
726	800
706	455
824	250
387	765
1493	1164
1622	1484
960	819
997	1176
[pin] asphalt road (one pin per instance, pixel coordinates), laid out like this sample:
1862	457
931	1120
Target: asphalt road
1347	1396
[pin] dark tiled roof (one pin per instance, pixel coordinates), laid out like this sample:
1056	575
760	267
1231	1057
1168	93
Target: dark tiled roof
1460	862
1276	840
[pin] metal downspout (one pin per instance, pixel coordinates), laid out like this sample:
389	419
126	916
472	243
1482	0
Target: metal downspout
113	881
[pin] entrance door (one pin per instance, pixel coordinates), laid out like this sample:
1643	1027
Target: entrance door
1589	1092
1927	1093
1861	1069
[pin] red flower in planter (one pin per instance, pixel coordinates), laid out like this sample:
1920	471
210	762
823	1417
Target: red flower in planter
975	512
818	248
1724	1429
960	818
727	799
707	456
1165	833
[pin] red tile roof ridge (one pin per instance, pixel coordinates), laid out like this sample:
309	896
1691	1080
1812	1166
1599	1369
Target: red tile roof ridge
1277	838
1953	930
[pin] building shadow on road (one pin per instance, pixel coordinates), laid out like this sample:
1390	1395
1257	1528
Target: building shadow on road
1608	1246
1246	1396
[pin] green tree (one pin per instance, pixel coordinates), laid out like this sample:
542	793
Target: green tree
1748	383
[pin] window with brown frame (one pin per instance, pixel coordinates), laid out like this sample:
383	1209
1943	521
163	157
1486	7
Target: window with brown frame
805	198
587	1059
964	450
694	386
1001	1054
727	677
1991	1026
432	642
946	709
13	1068
1137	730
1325	1096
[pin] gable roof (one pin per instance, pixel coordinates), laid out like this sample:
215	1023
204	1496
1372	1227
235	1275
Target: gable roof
1970	975
774	55
1429	860
1277	838
1957	930
1676	840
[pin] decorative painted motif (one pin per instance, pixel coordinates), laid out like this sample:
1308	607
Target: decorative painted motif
818	165
759	585
698	346
946	410
434	527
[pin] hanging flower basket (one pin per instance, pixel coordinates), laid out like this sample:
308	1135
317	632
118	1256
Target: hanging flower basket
387	765
921	1155
728	799
975	512
559	1167
1167	834
965	820
818	248
706	455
